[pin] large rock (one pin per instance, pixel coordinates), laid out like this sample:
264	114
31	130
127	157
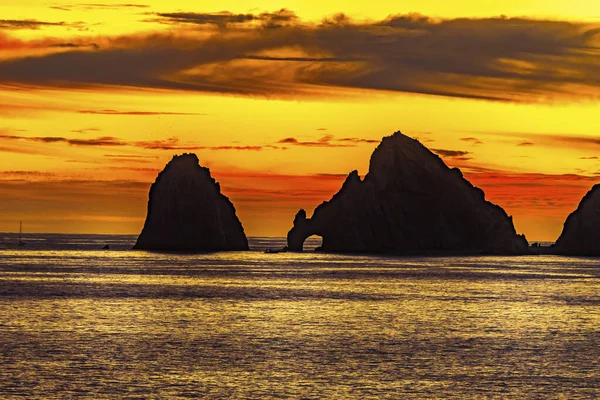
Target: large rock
581	232
188	212
410	202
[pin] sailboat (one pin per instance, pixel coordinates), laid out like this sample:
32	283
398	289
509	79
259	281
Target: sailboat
21	243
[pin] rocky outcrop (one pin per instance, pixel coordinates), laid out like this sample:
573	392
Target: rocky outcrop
410	202
188	212
581	232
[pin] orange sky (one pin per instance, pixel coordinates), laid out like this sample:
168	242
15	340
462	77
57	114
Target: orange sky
283	99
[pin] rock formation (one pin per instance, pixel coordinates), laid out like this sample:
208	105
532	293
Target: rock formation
188	212
581	232
410	202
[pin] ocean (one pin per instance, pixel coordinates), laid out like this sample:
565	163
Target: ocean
80	322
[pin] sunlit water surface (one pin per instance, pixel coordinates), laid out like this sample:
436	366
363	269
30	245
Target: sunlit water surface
76	321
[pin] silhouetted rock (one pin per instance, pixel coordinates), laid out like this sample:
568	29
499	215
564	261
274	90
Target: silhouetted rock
187	212
410	202
581	232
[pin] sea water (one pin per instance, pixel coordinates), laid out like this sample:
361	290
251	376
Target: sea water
80	322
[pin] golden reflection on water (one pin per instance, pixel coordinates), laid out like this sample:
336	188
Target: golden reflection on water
254	326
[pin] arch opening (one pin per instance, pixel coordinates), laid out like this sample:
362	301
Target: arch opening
312	243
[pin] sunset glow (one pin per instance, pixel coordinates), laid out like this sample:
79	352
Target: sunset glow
281	100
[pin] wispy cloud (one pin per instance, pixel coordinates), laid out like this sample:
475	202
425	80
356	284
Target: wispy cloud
172	143
142	113
524	144
222	19
27	24
86	130
28	174
99	141
326	141
33	24
460	154
276	54
98	6
472	140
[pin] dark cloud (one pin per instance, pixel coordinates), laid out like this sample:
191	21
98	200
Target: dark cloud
503	59
471	140
116	112
523	144
99	141
358	140
27	24
219	19
461	154
222	19
588	158
70	45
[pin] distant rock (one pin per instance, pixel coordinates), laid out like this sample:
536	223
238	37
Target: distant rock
188	212
410	202
581	232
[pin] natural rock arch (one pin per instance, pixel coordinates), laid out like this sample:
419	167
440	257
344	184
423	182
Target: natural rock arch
409	202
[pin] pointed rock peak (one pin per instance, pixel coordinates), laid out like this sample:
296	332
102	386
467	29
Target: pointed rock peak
187	212
353	177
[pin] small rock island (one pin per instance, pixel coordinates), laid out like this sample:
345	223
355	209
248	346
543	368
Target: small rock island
581	231
410	202
188	212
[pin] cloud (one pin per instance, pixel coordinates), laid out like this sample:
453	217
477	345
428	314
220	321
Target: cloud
135	156
70	45
99	141
588	158
173	144
110	141
27	24
471	140
501	59
327	141
86	130
99	6
358	140
116	112
523	144
451	153
222	19
28	174
33	24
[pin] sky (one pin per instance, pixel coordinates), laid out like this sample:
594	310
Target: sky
282	99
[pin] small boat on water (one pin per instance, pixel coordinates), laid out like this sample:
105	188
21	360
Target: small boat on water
274	251
21	243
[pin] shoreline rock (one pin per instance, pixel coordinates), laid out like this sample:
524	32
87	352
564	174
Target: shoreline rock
410	202
187	212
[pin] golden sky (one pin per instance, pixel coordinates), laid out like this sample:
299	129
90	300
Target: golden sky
282	99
